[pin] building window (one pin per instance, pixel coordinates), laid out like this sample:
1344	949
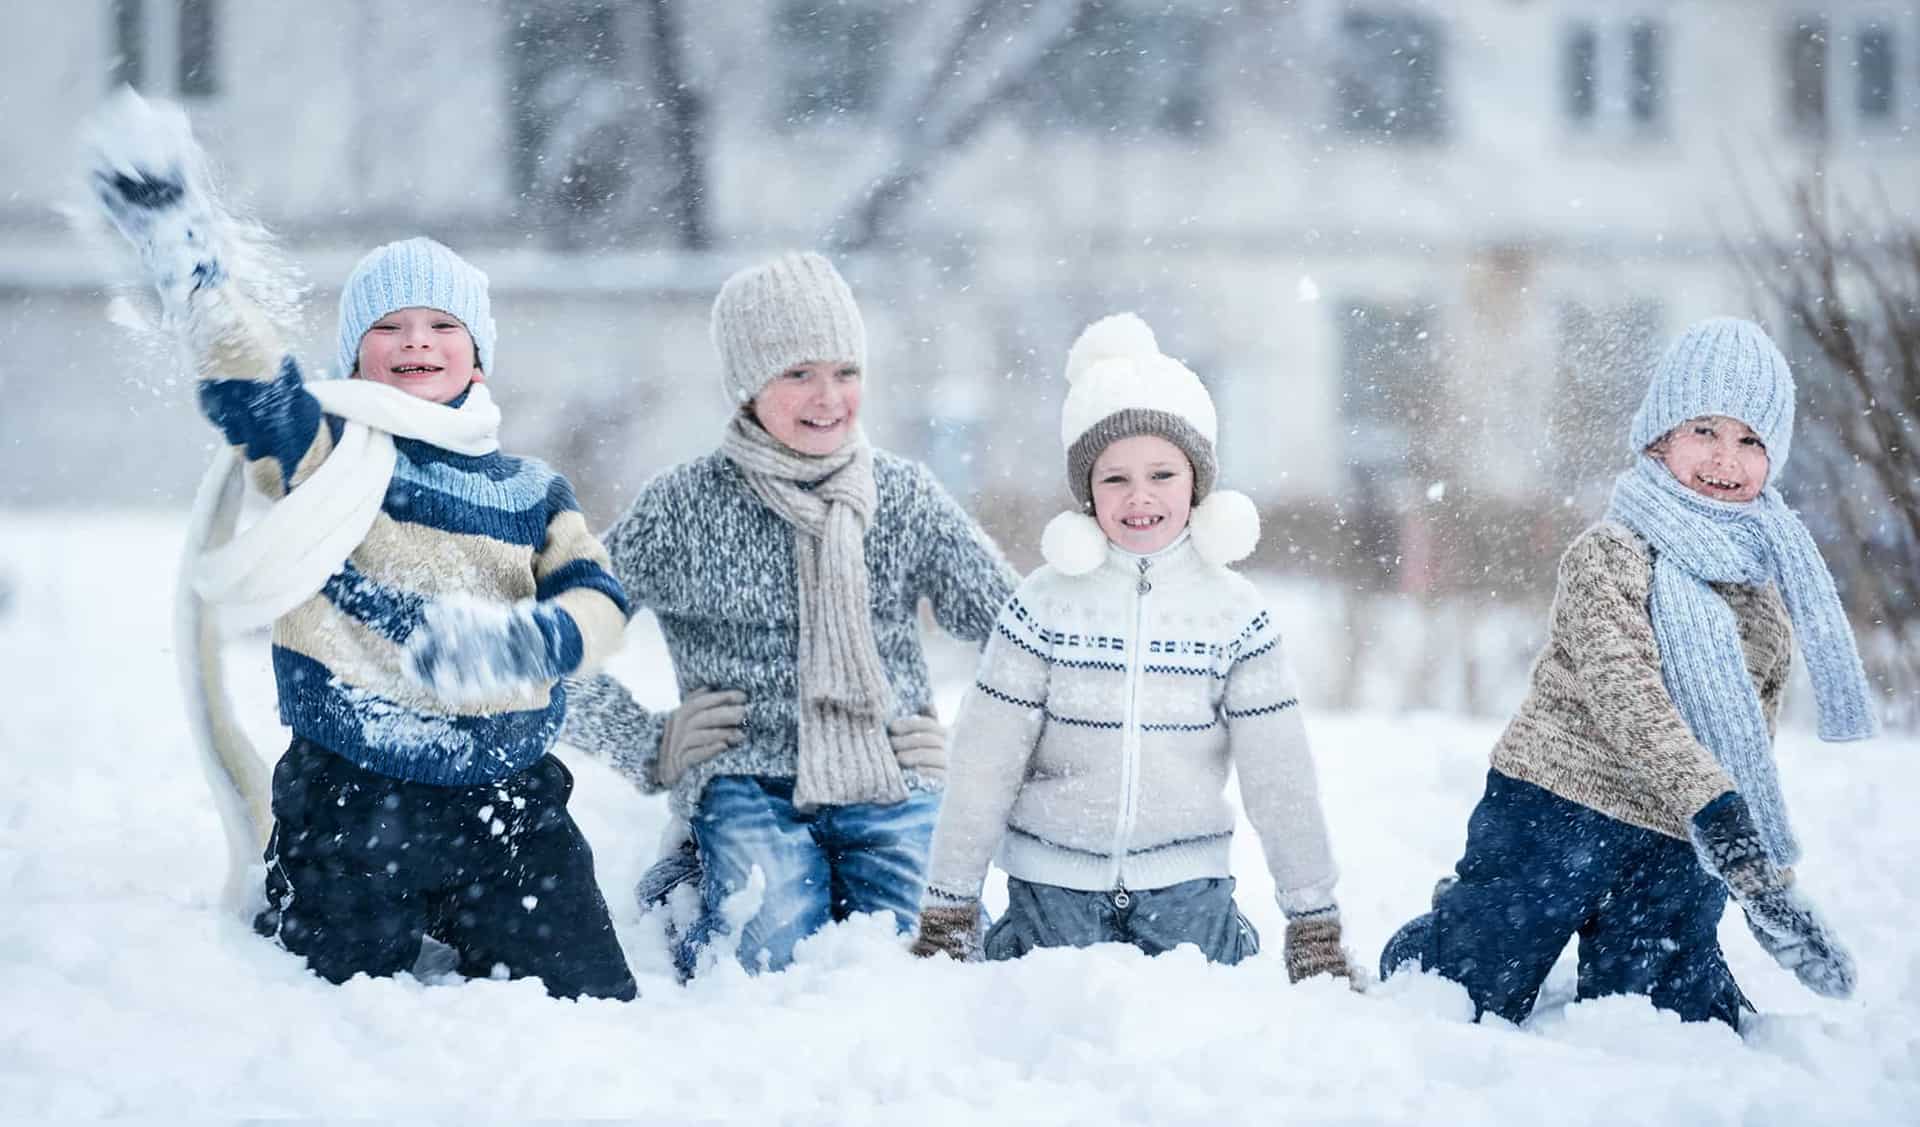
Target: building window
1580	62
168	46
579	124
1386	372
1807	77
1613	76
1644	72
1389	75
128	63
197	76
836	58
1873	63
1127	67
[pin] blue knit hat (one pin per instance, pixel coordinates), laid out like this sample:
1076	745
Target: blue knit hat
421	273
1721	366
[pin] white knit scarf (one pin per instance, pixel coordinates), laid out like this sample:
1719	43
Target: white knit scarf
286	556
845	698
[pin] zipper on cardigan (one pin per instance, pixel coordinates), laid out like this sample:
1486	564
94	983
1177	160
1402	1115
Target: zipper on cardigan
1130	732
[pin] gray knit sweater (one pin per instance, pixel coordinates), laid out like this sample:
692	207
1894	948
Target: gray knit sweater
716	567
1093	751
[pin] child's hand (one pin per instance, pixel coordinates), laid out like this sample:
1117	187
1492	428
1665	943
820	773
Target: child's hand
1791	930
919	743
473	651
948	929
1780	917
147	172
1312	946
708	722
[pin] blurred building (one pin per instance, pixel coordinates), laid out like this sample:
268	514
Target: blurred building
1420	251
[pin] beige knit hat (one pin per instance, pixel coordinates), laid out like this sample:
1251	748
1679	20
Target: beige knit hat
795	309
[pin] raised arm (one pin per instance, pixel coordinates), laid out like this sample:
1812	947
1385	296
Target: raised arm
147	172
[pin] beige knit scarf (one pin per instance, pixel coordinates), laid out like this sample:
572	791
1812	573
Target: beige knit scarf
844	695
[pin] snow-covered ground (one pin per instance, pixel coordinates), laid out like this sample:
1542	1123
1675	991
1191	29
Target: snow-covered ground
125	990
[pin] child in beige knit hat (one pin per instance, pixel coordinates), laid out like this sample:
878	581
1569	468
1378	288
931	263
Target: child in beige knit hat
786	569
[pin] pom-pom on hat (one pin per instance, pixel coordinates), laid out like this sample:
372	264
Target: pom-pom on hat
1120	385
796	309
415	273
1721	366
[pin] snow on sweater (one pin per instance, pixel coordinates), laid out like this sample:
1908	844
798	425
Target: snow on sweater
492	526
1093	749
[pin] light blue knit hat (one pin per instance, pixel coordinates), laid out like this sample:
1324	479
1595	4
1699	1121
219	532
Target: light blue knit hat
1721	366
416	272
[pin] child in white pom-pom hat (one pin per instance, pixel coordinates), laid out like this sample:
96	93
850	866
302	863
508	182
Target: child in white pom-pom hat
1125	679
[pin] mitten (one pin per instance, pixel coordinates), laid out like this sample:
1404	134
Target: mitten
1781	918
919	743
708	722
951	929
148	174
472	651
1312	946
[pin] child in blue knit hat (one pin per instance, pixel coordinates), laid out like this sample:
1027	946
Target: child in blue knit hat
426	591
1635	790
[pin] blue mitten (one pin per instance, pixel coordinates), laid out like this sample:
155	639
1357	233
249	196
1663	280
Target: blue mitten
1781	918
474	651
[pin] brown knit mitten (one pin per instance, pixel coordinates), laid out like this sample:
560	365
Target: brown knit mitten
1312	946
949	929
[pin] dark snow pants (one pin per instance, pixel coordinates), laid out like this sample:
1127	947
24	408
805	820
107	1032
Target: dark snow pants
1200	912
361	866
1540	870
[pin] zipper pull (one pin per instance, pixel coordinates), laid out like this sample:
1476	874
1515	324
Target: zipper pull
1144	586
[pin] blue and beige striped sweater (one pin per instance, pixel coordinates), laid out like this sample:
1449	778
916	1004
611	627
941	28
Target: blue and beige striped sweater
492	526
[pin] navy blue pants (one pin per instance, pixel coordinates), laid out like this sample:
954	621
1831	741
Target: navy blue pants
361	867
1156	920
1540	870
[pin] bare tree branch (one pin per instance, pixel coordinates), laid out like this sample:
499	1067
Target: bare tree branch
958	99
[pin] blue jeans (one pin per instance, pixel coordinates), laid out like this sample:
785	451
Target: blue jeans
820	866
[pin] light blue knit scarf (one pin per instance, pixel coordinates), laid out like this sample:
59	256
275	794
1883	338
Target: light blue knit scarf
1696	541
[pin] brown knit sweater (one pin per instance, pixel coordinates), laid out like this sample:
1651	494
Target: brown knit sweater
1598	727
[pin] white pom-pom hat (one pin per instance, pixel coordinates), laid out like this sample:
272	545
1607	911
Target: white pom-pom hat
1120	385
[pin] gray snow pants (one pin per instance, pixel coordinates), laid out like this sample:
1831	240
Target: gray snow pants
1200	912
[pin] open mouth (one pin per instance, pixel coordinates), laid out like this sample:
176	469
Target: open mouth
821	424
1140	523
1718	484
417	369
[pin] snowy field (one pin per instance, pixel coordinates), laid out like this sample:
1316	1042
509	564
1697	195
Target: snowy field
125	991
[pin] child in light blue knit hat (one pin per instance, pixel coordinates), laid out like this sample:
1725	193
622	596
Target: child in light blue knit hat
1636	789
426	590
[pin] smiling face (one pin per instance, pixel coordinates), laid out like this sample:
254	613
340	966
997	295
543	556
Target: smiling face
1716	457
811	408
424	352
1142	493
